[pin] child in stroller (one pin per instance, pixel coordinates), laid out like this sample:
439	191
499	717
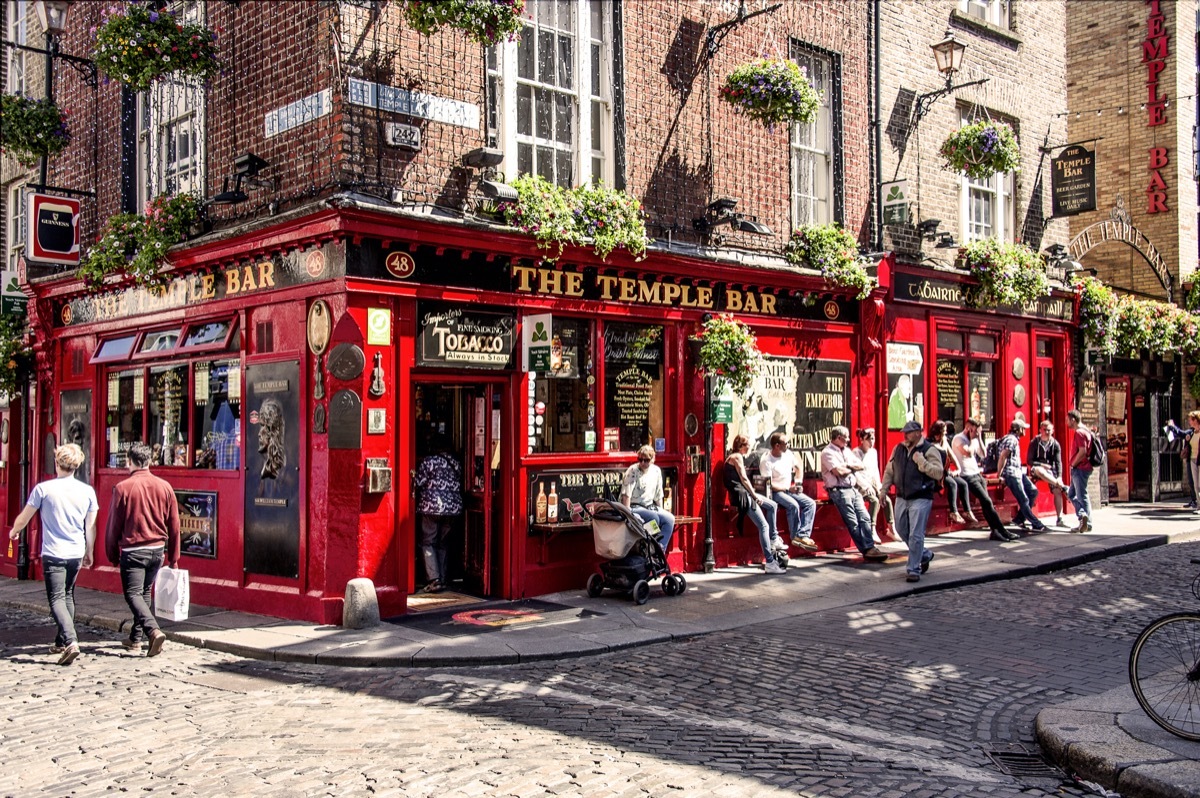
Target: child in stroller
633	555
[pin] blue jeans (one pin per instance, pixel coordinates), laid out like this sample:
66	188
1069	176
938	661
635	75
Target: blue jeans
666	524
911	517
763	517
849	503
800	511
1025	494
1078	493
60	576
138	570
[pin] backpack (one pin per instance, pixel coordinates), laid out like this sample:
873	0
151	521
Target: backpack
991	460
1096	454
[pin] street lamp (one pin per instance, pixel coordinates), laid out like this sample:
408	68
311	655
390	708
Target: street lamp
52	14
948	54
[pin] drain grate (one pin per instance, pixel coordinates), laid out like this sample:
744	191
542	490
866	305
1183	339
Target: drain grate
1022	764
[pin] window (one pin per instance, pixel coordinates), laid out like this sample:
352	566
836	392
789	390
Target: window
966	384
17	228
633	385
17	33
987	207
114	349
210	335
813	167
170	129
216	426
158	342
562	400
993	12
550	93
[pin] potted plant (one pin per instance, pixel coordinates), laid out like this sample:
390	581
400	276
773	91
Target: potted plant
137	45
605	217
484	21
771	91
1007	274
138	245
1144	325
16	358
728	351
832	249
1097	314
982	149
32	128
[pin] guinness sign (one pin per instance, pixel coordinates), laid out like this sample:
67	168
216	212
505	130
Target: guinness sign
53	230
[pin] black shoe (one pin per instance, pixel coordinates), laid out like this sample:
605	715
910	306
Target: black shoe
925	563
1000	535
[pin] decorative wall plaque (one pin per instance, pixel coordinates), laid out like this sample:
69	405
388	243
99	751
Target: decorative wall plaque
1019	395
319	420
320	324
345	420
346	362
1018	369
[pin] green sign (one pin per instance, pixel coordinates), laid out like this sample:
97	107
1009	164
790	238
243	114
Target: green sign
895	202
11	298
722	407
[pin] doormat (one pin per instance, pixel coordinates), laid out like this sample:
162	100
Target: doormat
492	616
431	602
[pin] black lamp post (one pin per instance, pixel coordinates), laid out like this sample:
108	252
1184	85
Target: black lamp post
710	560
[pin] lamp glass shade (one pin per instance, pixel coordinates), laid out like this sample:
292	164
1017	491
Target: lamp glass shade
52	15
949	54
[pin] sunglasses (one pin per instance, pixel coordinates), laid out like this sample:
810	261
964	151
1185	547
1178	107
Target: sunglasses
644	459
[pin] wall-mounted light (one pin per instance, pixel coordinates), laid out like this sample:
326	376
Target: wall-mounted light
500	192
721	212
928	228
946	241
245	171
948	55
483	158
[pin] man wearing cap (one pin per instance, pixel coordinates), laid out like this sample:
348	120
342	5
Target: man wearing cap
968	451
915	471
1015	478
841	469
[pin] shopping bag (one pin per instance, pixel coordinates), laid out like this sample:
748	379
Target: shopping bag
171	594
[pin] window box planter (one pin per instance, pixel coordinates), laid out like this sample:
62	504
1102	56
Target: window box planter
834	251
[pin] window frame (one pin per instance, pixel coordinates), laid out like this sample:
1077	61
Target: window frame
16	225
216	346
993	12
830	117
17	32
967	356
1000	188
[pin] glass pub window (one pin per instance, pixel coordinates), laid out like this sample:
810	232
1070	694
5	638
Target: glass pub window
216	417
966	384
167	414
125	415
633	385
565	393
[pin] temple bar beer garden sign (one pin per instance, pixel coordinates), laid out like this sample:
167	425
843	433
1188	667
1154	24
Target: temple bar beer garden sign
913	288
1073	181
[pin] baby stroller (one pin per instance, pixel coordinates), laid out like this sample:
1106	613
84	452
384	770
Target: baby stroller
634	556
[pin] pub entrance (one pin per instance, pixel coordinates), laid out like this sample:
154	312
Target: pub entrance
465	420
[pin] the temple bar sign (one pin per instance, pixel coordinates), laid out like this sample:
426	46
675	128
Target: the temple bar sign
1073	181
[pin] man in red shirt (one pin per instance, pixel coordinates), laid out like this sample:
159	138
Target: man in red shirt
143	526
1081	469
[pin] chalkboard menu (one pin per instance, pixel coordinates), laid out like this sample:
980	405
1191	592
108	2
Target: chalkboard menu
633	356
950	390
576	487
1089	405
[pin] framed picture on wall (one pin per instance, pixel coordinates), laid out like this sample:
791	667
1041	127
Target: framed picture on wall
565	422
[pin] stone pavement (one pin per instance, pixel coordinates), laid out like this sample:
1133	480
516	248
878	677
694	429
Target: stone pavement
729	600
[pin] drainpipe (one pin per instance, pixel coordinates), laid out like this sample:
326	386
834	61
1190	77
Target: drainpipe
876	190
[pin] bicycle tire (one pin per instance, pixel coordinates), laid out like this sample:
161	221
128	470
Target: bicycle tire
1163	671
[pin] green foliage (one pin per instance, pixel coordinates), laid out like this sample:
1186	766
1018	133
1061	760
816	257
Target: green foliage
1146	325
16	358
728	351
484	21
832	249
32	128
1008	274
138	245
605	217
982	149
137	45
772	91
1097	314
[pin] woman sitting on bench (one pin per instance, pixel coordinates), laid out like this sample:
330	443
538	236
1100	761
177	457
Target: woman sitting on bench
749	504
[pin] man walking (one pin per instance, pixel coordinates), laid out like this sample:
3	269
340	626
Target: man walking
1015	478
68	512
1081	469
915	469
840	469
968	449
781	470
143	525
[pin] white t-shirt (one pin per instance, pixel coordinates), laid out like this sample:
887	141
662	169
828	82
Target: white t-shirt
64	504
963	448
778	469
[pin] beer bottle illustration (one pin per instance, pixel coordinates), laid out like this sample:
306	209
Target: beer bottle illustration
541	503
552	505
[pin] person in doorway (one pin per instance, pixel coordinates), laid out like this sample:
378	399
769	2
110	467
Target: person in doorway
1015	478
915	468
870	482
642	492
840	470
759	509
143	529
1045	463
955	485
439	480
967	447
781	471
1081	465
68	510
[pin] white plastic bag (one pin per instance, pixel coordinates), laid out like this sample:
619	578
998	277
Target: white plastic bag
171	594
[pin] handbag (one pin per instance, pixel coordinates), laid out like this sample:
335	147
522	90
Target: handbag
172	594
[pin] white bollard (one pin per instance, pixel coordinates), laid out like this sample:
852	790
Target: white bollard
360	609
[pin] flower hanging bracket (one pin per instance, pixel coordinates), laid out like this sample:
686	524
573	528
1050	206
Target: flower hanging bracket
717	33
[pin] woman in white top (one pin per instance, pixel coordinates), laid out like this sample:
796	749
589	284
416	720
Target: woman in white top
870	483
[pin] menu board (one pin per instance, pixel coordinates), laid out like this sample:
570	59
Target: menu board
979	387
949	389
633	356
1089	404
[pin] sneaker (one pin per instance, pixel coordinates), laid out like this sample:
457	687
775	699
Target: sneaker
913	578
874	555
778	545
57	649
1002	536
806	543
131	645
774	568
1040	528
957	518
1084	526
69	654
925	564
157	638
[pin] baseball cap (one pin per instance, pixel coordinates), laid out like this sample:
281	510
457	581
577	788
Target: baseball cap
912	426
1020	422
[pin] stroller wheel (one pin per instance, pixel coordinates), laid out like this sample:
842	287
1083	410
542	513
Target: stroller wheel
595	585
641	591
668	585
680	584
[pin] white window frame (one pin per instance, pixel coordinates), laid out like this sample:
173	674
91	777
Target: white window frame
17	32
812	146
587	163
16	226
993	12
166	109
1000	221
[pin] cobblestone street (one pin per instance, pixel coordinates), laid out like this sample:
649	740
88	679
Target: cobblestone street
903	698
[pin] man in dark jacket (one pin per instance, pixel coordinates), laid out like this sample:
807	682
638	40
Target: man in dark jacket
1045	463
143	526
915	468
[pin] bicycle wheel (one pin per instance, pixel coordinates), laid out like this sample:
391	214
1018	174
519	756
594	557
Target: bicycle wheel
1164	671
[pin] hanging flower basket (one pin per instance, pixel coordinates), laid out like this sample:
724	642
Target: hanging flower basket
16	357
982	149
1009	275
832	249
32	128
138	245
772	91
1097	315
728	351
138	45
606	218
484	21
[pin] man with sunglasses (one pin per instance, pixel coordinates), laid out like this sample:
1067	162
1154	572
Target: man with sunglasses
642	492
